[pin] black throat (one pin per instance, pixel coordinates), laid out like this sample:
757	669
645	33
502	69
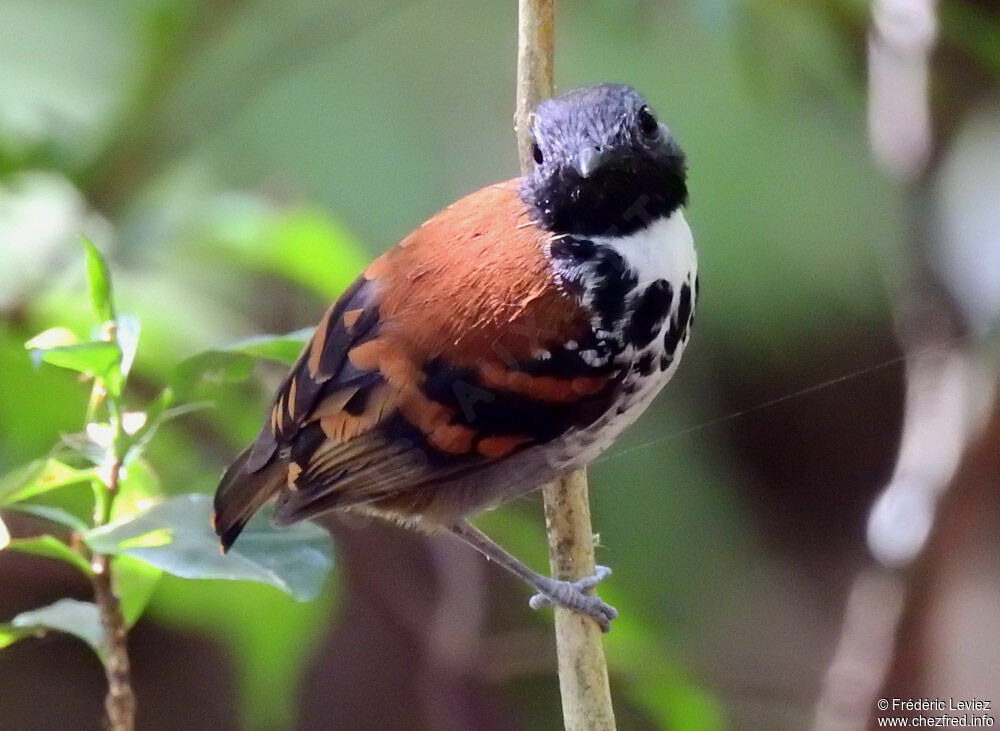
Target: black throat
616	201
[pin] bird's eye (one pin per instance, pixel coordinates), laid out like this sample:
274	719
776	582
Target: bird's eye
647	122
536	152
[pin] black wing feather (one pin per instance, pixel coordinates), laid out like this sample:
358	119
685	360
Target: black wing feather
261	470
311	378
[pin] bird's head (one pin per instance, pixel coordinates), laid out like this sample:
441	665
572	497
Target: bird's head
603	163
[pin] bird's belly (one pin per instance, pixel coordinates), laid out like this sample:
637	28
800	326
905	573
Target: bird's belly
581	446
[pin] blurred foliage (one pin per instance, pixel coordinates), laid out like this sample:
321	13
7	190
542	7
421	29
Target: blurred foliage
242	161
142	533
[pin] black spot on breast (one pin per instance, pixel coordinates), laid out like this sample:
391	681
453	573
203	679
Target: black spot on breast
684	306
679	325
597	274
665	361
649	314
697	294
671	339
645	364
613	280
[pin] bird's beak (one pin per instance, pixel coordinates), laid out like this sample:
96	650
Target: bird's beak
590	159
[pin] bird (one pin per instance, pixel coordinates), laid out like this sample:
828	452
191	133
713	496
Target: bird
505	342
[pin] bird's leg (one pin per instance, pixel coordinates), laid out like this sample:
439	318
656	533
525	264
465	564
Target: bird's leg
569	594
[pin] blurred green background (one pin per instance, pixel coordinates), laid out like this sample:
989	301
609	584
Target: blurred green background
240	161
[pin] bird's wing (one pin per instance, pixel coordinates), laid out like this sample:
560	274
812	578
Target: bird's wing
453	350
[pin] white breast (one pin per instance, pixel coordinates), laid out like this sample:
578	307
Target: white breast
663	250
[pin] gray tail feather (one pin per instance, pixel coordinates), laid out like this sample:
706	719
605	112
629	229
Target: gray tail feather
241	494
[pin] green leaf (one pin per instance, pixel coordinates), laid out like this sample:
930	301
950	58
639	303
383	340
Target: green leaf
94	358
305	245
83	444
54	337
39	477
157	415
215	366
127	335
234	363
313	249
134	583
50	547
9	634
281	348
99	280
51	513
137	487
66	615
176	535
176	411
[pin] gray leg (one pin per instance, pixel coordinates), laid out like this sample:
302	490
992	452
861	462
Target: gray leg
568	594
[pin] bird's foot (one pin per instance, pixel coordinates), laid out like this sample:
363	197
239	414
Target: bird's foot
573	595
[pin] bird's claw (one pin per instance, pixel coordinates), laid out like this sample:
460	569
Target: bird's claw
573	595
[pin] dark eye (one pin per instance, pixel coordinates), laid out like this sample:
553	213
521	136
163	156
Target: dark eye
536	152
647	122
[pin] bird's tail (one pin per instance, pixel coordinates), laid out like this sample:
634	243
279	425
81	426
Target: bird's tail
242	493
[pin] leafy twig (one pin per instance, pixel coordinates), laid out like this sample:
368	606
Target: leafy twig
148	536
119	703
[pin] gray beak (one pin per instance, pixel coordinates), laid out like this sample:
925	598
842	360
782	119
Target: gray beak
590	159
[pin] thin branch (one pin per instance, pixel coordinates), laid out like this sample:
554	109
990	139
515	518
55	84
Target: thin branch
583	671
535	44
119	704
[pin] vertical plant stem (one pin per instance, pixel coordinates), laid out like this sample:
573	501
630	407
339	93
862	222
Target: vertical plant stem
583	672
535	47
119	704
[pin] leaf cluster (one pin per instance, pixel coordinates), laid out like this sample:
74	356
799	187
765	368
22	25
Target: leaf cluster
128	516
